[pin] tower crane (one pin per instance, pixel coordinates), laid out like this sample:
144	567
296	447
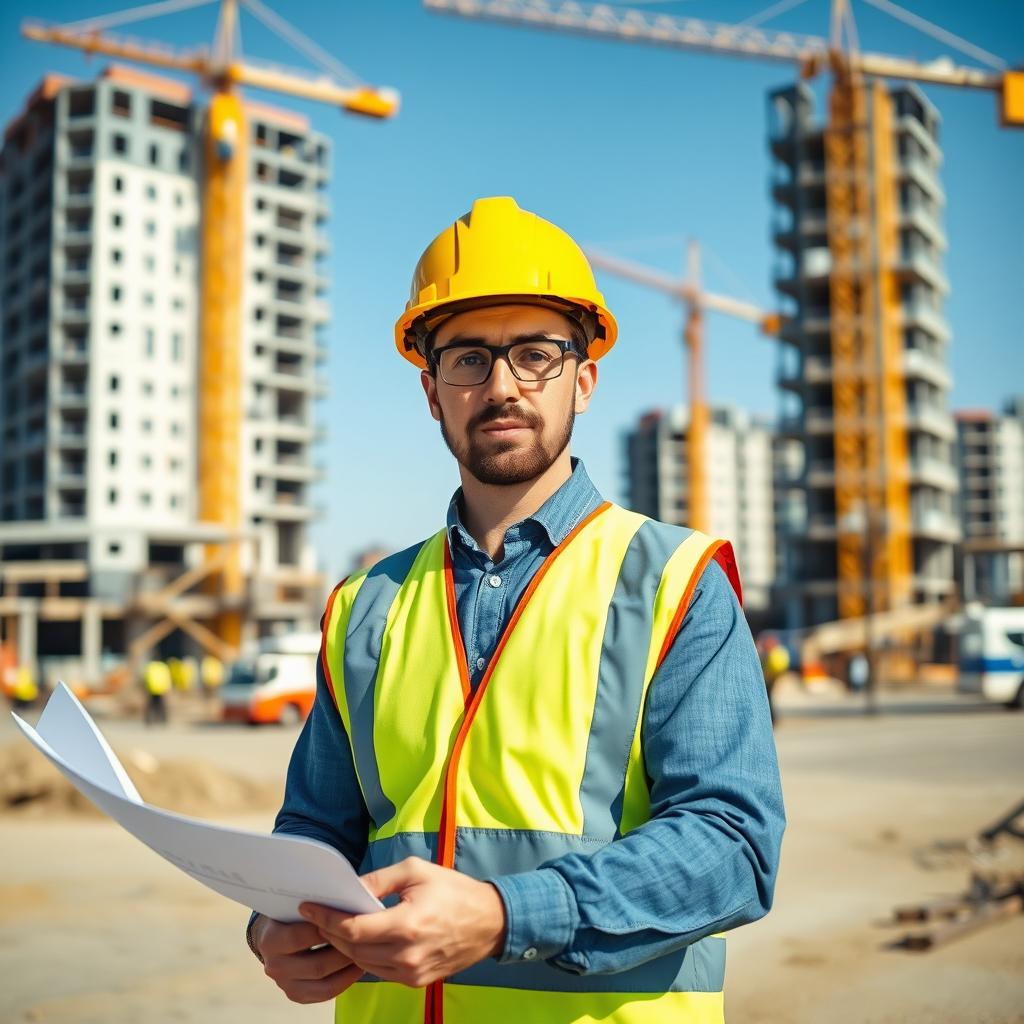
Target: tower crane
697	301
867	377
223	71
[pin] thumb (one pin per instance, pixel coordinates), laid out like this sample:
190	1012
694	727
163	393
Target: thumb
396	878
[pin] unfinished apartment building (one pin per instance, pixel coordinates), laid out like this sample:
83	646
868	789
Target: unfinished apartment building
101	189
990	460
905	187
740	492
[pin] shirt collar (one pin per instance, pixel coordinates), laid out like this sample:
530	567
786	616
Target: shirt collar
558	516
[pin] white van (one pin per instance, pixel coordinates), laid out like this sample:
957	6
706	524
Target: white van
992	655
276	682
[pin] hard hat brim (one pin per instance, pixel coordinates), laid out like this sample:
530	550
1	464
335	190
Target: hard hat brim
417	323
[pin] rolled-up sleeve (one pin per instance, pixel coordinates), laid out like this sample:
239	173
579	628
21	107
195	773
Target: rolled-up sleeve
707	859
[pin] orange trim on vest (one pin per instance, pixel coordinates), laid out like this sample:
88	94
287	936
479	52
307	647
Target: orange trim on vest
435	1003
326	621
684	604
453	622
446	829
726	558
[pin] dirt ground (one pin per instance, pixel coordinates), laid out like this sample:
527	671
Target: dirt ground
96	928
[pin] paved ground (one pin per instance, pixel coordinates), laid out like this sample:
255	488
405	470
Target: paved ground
94	928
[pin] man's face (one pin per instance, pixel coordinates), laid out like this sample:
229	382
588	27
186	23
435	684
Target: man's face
508	431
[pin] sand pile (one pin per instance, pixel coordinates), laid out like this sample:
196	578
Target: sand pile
30	785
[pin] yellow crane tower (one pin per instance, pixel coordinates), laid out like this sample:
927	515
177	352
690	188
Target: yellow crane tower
868	386
223	71
697	300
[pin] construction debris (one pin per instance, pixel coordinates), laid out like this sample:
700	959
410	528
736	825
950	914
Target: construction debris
993	894
998	845
986	901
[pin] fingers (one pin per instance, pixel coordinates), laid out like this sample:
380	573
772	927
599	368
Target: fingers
312	965
414	966
320	990
278	939
344	930
394	961
396	955
386	881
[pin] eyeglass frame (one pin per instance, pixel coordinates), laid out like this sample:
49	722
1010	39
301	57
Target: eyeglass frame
565	345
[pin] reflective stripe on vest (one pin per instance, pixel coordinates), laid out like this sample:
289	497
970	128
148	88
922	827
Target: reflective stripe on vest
542	760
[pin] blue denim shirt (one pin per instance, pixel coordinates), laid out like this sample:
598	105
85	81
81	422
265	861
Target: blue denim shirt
707	859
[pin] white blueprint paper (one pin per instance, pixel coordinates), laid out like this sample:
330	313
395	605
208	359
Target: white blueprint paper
269	873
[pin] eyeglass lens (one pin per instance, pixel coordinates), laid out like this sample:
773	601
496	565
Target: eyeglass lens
529	360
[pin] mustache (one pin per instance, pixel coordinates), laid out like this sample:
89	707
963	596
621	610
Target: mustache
505	413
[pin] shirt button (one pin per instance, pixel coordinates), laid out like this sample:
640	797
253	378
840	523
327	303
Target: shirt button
530	954
481	663
495	581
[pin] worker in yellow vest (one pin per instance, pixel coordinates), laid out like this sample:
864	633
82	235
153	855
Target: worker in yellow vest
181	674
774	663
25	691
541	735
157	679
211	674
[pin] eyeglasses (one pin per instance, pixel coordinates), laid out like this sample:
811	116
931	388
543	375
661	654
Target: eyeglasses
467	364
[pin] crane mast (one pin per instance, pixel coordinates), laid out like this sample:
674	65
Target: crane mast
874	548
225	171
697	301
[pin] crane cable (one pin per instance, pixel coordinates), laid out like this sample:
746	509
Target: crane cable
302	43
936	32
134	14
769	12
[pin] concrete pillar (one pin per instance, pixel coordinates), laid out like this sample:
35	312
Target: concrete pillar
28	619
92	629
970	581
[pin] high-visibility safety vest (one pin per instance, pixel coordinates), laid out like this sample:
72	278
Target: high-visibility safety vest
157	677
211	671
543	759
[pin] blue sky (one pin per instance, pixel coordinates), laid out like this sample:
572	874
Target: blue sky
634	148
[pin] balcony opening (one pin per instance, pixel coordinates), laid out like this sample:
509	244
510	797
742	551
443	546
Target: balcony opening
168	115
290	179
288	143
288	544
121	103
288	327
81	103
289	255
289	364
291	408
288	291
290	220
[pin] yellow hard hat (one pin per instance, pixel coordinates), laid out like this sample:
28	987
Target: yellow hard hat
499	253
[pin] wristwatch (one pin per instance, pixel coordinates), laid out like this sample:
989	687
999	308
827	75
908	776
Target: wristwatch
248	938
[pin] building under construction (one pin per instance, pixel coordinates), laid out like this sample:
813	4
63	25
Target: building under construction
740	491
990	461
902	512
105	547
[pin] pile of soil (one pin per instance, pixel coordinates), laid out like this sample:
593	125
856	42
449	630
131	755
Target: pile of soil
30	785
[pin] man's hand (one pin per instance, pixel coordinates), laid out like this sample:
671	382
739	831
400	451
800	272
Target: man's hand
445	922
305	974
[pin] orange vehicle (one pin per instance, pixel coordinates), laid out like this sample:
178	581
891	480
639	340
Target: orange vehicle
275	683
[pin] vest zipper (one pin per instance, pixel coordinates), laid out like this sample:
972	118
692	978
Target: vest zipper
433	1011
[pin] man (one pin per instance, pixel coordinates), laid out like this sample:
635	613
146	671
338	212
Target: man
211	674
542	733
157	679
774	664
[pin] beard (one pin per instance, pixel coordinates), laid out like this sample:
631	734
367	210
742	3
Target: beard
504	463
